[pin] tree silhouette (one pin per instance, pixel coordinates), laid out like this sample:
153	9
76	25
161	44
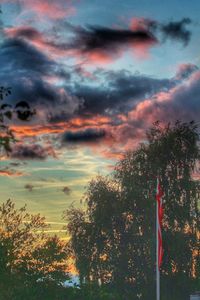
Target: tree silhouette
114	239
29	258
21	111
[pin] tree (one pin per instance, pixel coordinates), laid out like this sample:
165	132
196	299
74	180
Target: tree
119	223
28	257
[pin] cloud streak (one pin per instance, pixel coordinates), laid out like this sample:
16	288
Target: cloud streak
10	172
31	152
47	9
83	136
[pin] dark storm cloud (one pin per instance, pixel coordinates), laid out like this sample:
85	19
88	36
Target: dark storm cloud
31	152
177	31
20	58
93	37
17	55
26	69
87	135
121	92
186	98
29	71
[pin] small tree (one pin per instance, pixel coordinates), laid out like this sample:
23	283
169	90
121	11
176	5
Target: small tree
27	255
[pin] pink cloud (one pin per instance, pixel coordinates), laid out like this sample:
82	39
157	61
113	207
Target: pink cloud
142	50
98	56
139	23
185	70
37	38
52	9
179	103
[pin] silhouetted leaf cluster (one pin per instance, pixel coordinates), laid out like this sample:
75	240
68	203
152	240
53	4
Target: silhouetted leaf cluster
21	110
4	92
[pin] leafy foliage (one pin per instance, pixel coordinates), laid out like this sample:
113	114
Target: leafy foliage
114	239
20	111
28	257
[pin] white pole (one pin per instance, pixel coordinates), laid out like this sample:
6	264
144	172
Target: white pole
157	251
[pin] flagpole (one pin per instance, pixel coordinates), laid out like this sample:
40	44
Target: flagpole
157	250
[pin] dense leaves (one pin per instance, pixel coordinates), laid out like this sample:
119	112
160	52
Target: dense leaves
29	259
114	239
34	265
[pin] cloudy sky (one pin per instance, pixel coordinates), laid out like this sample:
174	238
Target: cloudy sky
98	74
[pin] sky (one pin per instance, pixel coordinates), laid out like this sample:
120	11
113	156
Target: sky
98	74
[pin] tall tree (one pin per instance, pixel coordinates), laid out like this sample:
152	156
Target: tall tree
120	218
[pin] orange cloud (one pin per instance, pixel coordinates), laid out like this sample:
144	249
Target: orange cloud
22	131
11	173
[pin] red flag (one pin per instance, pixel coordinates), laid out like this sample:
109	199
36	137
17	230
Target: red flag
159	195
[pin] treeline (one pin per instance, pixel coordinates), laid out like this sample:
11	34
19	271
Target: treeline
113	239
